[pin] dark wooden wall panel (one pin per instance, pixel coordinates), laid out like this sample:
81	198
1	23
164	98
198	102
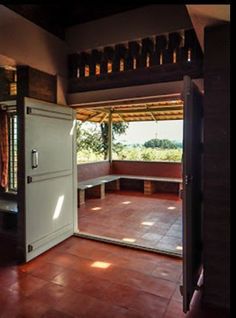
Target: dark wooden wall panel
155	74
37	84
6	77
217	166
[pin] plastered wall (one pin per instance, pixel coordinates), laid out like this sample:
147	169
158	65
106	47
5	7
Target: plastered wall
25	43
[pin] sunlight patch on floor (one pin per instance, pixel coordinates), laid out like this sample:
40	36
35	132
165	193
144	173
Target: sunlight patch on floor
96	208
171	208
130	240
102	265
147	223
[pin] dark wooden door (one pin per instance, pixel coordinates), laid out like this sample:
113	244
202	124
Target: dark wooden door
192	186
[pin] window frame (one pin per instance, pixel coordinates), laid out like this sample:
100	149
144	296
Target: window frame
13	152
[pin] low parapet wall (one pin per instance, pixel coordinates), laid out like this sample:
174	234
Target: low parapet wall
135	168
148	168
91	170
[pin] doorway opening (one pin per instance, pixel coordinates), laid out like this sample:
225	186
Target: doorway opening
131	198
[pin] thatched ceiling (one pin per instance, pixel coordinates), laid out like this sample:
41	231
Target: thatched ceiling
154	111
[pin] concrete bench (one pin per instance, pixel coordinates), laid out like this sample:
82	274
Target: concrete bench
151	182
98	185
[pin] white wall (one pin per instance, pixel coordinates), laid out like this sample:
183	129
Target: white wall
130	25
101	97
28	44
203	15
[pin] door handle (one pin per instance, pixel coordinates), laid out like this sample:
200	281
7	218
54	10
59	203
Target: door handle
34	158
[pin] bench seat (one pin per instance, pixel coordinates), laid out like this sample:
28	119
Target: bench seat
173	180
97	181
98	184
150	183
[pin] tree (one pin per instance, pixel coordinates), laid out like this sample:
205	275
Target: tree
96	139
160	143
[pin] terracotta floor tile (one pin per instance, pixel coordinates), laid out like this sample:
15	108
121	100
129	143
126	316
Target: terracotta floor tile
168	272
151	306
139	265
174	309
27	285
9	277
129	288
177	295
128	277
26	308
119	294
152	236
101	309
126	215
71	262
159	287
9	299
52	294
134	314
71	279
78	304
47	272
53	313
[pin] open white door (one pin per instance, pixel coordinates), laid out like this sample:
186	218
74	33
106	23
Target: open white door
50	176
192	200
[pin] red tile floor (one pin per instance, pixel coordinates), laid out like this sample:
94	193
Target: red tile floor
83	278
153	221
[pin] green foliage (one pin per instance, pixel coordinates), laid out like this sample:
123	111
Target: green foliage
148	154
92	145
160	143
95	138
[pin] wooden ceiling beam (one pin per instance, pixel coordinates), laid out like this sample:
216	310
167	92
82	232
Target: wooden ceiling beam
131	101
92	116
133	111
103	118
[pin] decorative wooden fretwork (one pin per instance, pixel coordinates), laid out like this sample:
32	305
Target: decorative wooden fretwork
179	48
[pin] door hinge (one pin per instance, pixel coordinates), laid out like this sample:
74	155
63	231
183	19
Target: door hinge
29	110
30	248
181	289
188	179
29	179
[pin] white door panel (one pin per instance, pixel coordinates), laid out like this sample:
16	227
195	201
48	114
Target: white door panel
50	187
51	156
52	138
53	207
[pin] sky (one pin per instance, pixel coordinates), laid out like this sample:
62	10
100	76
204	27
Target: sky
139	132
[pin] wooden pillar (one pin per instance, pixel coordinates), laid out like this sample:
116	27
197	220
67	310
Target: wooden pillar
110	137
81	197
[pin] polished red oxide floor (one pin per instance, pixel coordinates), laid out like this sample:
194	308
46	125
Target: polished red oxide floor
83	278
153	221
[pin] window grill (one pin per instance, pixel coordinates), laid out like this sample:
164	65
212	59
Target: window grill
12	152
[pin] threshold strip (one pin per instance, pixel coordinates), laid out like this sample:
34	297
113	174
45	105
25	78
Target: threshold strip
114	241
